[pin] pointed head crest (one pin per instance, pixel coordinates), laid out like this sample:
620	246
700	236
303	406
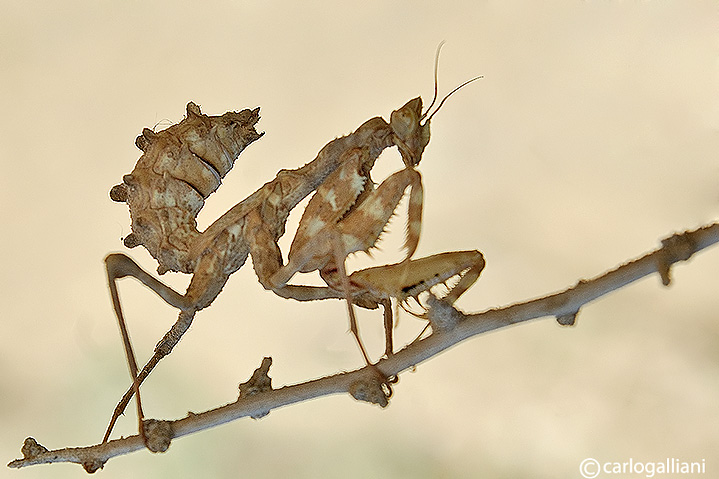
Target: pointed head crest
411	135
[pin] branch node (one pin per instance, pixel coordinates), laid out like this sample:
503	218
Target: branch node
158	434
93	465
441	314
568	319
259	382
31	449
664	270
677	247
373	389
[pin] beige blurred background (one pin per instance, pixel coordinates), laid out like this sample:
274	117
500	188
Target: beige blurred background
593	134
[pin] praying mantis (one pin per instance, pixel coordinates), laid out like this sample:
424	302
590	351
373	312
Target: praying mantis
185	163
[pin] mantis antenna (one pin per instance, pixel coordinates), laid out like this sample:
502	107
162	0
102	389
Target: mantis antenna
434	97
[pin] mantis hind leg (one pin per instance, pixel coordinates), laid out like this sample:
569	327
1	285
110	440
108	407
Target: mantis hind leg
119	266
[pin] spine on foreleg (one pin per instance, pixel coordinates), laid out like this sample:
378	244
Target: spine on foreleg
363	226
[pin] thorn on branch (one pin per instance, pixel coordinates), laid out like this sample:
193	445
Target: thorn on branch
677	247
259	382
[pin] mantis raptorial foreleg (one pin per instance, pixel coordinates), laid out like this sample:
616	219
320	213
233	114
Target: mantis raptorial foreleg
346	215
409	279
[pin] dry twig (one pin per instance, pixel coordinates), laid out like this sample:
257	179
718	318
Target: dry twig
449	327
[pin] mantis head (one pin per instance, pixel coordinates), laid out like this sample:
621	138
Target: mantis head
411	135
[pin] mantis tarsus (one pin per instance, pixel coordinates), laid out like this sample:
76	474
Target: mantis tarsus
183	164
